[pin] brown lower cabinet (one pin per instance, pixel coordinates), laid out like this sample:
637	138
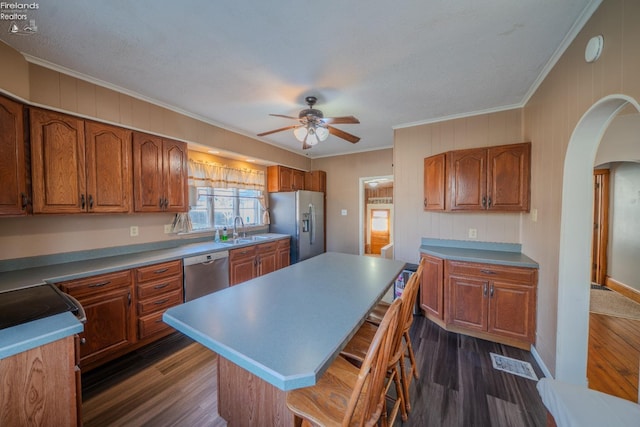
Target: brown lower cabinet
38	386
489	301
124	309
257	260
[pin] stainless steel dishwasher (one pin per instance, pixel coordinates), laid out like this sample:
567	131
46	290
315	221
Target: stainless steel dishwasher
204	274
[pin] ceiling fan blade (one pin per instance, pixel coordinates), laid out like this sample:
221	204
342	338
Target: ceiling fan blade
342	134
277	130
286	117
341	120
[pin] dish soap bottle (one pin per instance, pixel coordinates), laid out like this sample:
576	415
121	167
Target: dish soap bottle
224	234
217	236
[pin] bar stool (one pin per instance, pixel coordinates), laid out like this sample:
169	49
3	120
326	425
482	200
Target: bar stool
346	395
356	347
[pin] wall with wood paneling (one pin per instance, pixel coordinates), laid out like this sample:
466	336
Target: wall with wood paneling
343	180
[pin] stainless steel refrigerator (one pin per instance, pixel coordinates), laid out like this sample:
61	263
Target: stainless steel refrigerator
301	215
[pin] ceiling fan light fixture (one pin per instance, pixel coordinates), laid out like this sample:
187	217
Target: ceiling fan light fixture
322	133
312	138
300	133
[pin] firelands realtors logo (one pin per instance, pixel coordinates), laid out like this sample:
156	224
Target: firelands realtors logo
19	17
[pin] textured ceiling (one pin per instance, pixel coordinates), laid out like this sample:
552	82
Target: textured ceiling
387	63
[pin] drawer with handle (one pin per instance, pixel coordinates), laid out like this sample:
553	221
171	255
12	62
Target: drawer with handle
153	289
93	284
158	271
151	324
159	303
492	272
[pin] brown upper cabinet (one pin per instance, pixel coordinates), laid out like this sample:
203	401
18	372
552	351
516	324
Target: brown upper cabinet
315	181
14	195
489	178
78	166
159	174
282	178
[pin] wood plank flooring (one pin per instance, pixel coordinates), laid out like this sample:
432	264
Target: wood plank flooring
614	355
174	384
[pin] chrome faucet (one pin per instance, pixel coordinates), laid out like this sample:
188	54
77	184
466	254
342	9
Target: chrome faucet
235	228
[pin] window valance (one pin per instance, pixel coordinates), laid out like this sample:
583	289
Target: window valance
216	175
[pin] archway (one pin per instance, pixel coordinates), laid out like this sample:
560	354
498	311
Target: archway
575	238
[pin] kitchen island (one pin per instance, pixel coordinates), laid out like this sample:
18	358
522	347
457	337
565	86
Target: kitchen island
281	331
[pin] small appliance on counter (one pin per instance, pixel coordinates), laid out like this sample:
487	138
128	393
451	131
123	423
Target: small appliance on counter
36	302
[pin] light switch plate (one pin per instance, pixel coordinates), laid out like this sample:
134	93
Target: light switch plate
167	228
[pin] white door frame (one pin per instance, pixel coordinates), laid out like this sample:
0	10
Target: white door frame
576	223
362	207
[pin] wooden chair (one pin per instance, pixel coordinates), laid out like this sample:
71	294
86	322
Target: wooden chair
346	395
356	347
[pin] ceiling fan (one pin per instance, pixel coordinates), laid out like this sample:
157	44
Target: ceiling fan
313	127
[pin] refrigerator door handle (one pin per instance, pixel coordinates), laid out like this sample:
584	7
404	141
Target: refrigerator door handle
312	215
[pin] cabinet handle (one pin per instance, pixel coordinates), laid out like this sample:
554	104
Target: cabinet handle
163	301
484	201
491	291
164	285
83	341
25	201
82	201
484	290
489	202
162	270
487	272
129	298
90	201
161	202
100	284
166	203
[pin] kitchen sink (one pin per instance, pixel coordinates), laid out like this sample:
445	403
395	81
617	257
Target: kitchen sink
248	239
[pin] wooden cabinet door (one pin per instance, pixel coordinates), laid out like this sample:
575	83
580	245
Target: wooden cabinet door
109	326
242	265
432	286
512	310
174	155
267	258
434	182
108	163
468	179
148	194
297	180
467	306
508	177
13	175
315	181
57	163
283	254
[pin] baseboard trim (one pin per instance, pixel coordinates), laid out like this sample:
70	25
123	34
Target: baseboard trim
541	363
621	288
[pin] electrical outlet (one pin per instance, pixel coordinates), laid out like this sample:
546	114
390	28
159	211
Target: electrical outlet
534	215
473	233
133	231
167	228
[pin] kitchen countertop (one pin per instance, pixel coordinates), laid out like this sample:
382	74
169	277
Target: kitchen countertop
287	326
474	251
39	332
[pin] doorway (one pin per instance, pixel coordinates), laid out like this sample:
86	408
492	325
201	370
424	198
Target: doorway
376	215
574	269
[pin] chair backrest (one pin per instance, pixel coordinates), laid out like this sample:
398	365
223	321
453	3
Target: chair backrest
374	370
409	296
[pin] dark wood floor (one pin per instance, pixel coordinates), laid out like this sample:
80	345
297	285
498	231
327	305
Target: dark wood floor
173	383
